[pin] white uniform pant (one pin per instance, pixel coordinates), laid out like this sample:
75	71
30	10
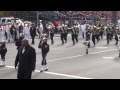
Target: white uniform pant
27	36
17	34
8	35
80	34
12	37
2	37
84	33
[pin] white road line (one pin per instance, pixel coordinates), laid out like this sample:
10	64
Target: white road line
104	51
78	56
3	68
58	74
108	57
9	66
65	75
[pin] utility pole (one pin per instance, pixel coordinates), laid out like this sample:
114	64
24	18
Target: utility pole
114	17
37	17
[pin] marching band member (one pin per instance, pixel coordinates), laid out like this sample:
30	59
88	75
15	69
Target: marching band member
94	35
87	43
88	34
62	32
83	28
80	31
101	31
17	29
8	32
45	50
51	30
13	33
20	29
66	33
74	34
26	31
116	35
3	51
2	33
33	33
108	31
98	34
40	28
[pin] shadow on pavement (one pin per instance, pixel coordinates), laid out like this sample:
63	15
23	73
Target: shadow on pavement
58	45
8	72
117	59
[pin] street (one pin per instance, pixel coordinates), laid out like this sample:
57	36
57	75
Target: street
70	62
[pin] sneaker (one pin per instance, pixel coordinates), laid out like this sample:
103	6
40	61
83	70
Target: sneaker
46	70
86	52
41	71
3	65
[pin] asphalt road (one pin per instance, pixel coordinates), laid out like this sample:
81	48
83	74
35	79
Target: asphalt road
70	62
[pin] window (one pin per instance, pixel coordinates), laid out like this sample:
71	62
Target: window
3	20
8	20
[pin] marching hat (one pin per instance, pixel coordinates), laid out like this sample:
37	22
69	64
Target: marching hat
44	38
3	41
21	35
117	28
40	20
98	27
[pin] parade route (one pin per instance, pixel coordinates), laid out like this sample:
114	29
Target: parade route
70	62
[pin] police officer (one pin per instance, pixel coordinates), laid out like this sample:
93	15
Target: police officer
45	50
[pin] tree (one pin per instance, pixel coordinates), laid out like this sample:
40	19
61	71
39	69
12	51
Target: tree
27	15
